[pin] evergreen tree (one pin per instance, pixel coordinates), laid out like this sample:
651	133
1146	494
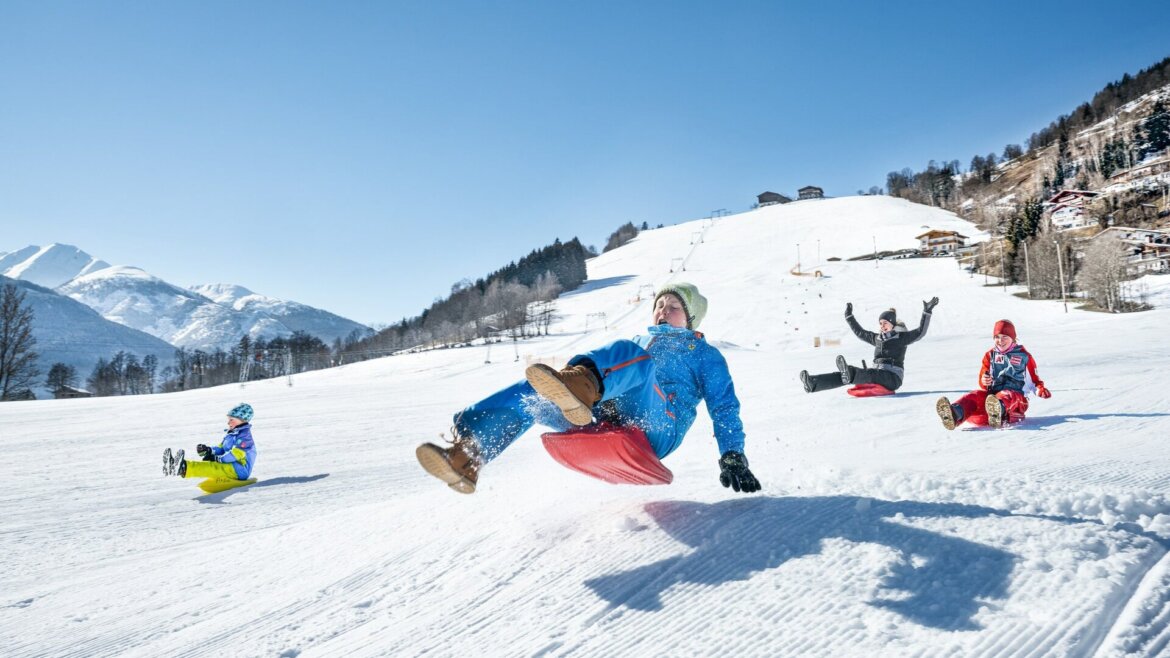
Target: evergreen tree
1156	129
1033	216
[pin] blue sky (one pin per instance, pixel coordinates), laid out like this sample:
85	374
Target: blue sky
364	156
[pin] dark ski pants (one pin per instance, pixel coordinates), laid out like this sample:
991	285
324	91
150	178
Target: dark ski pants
831	380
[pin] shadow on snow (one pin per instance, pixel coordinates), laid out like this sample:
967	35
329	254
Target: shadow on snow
938	580
598	284
1037	422
218	498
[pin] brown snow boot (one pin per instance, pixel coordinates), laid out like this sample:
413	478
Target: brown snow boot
946	412
458	465
574	389
995	411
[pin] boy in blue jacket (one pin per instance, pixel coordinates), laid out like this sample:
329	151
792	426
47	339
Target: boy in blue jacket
232	459
654	382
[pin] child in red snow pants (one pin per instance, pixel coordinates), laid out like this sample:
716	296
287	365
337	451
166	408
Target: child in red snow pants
974	406
1007	373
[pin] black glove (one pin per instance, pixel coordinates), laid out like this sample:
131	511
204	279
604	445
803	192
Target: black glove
734	472
848	309
202	449
927	307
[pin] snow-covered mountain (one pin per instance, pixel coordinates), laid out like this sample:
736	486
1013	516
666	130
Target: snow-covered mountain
877	532
132	297
72	333
294	315
49	266
203	317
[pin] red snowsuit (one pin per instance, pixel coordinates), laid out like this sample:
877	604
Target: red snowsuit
1013	375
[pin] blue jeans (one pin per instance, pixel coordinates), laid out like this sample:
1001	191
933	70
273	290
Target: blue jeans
629	389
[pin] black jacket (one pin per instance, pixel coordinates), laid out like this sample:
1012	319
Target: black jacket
890	347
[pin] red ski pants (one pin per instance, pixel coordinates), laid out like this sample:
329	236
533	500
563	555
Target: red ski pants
974	412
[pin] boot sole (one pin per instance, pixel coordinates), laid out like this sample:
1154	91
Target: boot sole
168	463
806	380
434	461
943	407
843	368
994	411
545	381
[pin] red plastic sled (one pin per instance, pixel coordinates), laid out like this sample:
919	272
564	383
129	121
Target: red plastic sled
618	455
868	390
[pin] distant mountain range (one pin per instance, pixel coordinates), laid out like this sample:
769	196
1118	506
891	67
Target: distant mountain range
201	317
72	333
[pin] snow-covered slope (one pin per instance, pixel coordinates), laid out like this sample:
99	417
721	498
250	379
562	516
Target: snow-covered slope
49	266
72	333
295	316
877	533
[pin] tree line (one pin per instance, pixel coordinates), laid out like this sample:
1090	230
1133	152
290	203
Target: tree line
515	301
125	373
1054	265
946	184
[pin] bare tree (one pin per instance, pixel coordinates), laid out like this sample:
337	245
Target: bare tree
61	376
1042	269
18	361
1101	272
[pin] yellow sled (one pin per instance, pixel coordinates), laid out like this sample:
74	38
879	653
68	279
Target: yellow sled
216	485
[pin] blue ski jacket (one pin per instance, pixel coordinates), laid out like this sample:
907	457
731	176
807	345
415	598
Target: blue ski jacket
1014	370
654	382
237	449
687	370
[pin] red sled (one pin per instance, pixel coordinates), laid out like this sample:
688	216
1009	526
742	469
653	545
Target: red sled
618	455
868	390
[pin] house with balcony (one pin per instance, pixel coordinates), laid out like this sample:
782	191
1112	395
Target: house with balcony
1067	209
940	243
1147	251
810	192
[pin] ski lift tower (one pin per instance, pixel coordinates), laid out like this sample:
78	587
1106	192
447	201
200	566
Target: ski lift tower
600	316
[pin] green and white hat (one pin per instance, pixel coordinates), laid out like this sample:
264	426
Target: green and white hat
694	304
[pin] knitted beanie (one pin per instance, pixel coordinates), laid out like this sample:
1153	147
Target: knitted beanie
889	315
694	304
1006	328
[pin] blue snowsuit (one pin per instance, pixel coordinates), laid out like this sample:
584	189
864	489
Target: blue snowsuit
237	449
654	382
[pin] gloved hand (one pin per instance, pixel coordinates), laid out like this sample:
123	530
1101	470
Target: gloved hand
734	472
1043	391
985	380
848	309
927	307
202	449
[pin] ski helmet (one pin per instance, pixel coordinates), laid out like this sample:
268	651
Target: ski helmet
243	411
